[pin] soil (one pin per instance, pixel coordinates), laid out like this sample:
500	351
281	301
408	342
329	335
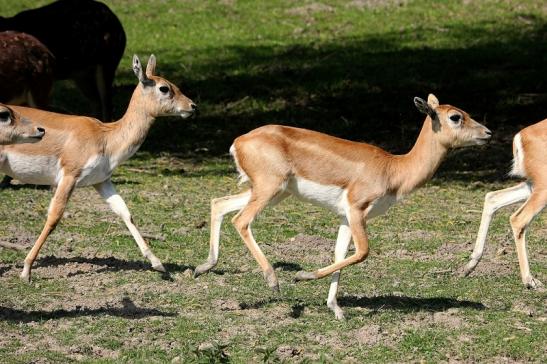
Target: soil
313	250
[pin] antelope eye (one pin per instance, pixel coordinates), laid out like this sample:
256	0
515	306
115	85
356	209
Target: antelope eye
164	89
456	118
4	116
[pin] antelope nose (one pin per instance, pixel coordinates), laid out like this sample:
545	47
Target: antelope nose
193	106
41	130
488	133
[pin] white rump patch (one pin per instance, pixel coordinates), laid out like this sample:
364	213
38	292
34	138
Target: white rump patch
242	175
518	158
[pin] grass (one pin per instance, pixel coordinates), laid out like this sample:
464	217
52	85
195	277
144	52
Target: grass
346	68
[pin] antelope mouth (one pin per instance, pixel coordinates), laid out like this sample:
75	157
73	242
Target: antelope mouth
186	114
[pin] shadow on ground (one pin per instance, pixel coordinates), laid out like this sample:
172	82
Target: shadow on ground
109	264
127	311
388	302
408	304
362	89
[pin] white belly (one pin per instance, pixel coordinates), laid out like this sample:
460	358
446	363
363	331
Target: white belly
96	170
332	197
37	169
335	198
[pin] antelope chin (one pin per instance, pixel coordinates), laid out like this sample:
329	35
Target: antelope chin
482	141
186	114
24	139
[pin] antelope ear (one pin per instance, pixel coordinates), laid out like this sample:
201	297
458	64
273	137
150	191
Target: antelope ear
151	66
423	106
137	68
433	101
426	108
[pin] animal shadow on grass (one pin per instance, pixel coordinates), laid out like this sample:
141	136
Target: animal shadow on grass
361	88
296	309
109	264
3	270
128	311
7	184
390	302
408	304
286	266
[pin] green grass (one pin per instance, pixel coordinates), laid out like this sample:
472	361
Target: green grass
331	66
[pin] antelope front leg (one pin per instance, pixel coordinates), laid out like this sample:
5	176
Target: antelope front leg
108	192
340	251
493	202
357	227
55	212
519	223
219	208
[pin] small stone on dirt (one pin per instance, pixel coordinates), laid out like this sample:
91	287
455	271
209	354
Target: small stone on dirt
522	308
286	352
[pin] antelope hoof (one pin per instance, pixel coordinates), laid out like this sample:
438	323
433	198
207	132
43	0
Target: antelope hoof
337	310
202	268
304	276
25	274
470	267
159	267
532	283
271	279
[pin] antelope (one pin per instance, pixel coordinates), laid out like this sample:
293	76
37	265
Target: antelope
26	70
80	151
87	40
357	181
15	129
529	162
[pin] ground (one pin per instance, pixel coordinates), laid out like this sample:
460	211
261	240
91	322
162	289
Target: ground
94	297
347	68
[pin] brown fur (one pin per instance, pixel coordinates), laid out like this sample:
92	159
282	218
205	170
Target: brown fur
26	70
534	144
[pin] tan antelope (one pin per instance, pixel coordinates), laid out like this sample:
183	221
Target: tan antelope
80	151
358	181
530	162
15	129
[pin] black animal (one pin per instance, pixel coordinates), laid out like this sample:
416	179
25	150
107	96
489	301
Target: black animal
87	40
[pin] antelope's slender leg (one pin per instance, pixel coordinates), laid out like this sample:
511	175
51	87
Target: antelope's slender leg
340	251
220	207
55	213
261	195
519	223
357	227
494	201
107	191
